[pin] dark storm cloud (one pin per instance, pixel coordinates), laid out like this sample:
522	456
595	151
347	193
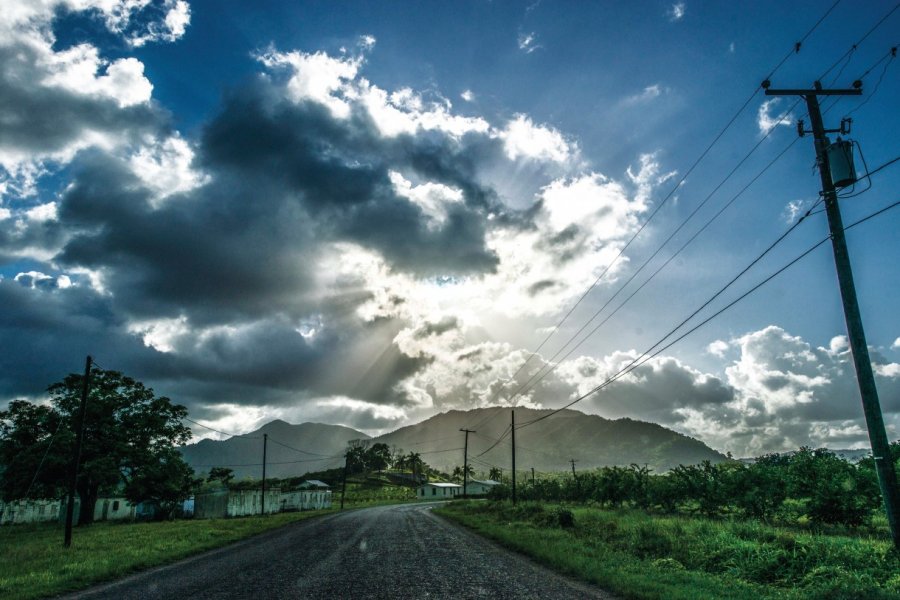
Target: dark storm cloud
41	120
238	258
338	171
47	332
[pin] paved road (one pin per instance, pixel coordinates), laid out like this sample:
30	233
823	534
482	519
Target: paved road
384	552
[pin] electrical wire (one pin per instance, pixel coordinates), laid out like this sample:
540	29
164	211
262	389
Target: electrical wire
237	435
271	439
893	54
696	162
644	357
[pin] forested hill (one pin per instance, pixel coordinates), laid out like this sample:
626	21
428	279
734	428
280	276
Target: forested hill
548	445
309	444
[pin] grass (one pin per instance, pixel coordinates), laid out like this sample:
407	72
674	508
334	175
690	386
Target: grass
652	557
33	563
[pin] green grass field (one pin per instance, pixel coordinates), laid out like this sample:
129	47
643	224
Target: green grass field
34	564
637	555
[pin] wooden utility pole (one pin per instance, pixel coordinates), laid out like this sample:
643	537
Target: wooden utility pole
881	452
466	463
344	482
265	443
513	429
532	477
79	440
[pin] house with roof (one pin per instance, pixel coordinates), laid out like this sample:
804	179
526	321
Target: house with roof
481	488
438	491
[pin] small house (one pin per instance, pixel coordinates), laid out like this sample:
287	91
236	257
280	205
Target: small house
481	488
438	491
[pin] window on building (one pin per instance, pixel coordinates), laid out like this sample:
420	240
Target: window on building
433	491
115	505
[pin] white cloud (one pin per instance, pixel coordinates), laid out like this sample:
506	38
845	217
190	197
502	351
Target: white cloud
648	93
161	334
676	13
731	47
766	122
522	138
467	95
334	82
718	348
528	42
896	344
317	77
432	198
42	213
165	166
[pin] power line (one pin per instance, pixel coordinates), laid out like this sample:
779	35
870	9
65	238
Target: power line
794	50
541	373
539	376
271	439
644	357
238	435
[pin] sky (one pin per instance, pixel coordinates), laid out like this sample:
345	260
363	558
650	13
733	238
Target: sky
368	213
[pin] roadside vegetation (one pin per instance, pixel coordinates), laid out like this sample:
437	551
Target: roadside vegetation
814	489
678	556
34	564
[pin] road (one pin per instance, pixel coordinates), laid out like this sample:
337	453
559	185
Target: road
391	552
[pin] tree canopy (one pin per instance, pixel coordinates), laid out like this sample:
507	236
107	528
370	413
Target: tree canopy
130	436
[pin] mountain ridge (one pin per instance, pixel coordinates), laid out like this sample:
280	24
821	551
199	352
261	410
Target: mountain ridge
547	445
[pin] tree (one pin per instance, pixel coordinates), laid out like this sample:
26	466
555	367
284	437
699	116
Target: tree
495	473
129	439
221	474
378	457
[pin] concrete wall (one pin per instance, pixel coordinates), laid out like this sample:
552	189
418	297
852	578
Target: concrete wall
30	511
305	500
439	492
113	509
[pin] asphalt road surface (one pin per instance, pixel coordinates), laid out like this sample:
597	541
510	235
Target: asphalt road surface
384	552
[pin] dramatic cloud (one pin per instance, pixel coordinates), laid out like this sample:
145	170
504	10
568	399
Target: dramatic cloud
59	101
766	122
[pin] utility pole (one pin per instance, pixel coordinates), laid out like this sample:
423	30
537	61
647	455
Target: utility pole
532	477
577	485
265	443
79	440
573	461
884	465
466	463
344	482
513	429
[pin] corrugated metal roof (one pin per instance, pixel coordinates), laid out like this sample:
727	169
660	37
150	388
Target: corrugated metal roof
442	485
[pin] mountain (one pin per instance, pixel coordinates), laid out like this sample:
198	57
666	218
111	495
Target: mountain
549	444
244	454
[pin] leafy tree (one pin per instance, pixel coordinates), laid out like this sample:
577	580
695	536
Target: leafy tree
378	457
221	474
129	439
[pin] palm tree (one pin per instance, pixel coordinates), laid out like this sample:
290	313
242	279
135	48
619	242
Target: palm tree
495	473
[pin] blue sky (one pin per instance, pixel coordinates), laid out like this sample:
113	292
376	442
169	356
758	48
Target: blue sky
367	213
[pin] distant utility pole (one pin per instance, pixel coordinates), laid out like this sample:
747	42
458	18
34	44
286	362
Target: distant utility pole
513	429
79	440
573	461
532	477
344	482
884	465
265	443
466	463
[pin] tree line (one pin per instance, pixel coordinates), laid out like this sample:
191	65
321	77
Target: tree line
815	485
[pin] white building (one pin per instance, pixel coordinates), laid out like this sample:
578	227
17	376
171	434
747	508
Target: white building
438	491
113	509
30	511
481	488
